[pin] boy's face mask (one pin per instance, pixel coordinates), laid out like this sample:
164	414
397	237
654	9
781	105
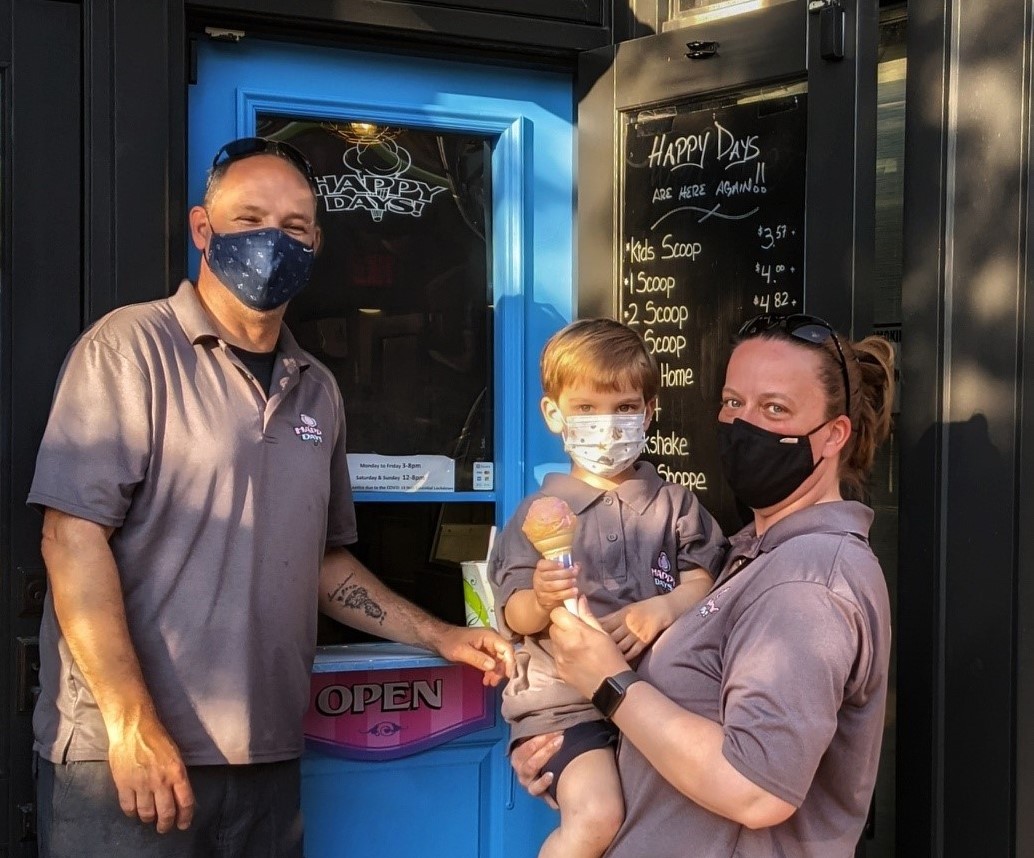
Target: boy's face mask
604	444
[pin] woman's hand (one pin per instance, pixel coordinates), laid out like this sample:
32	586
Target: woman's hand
584	654
529	757
634	627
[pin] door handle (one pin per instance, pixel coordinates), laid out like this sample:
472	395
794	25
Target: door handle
831	28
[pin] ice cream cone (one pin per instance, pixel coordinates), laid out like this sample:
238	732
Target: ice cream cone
549	525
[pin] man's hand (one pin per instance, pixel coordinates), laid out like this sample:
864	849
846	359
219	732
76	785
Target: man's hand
482	648
634	627
150	776
529	757
552	583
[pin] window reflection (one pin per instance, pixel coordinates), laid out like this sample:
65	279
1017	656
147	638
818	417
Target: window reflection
885	498
399	307
682	13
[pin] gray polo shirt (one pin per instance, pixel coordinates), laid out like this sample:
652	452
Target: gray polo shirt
223	502
631	543
789	654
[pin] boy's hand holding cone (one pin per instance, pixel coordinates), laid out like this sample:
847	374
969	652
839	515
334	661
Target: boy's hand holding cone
549	524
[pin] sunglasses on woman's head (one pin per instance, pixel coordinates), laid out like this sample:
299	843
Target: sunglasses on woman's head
808	329
247	146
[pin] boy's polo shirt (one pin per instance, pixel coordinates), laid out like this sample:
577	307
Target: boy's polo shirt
223	501
789	653
631	543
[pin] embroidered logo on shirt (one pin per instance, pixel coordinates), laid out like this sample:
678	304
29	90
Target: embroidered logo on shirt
309	430
711	605
662	577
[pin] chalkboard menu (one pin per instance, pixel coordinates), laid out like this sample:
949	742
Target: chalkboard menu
712	233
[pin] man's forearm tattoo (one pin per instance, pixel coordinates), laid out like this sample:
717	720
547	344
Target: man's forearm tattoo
357	598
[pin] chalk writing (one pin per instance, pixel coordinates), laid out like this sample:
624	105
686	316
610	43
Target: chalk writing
712	217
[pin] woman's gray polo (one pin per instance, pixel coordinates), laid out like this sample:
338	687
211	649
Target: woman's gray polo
789	653
223	503
631	543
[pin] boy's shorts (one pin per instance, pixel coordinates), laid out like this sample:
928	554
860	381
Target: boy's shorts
588	736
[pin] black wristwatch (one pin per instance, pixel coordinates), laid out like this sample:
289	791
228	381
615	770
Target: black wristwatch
611	692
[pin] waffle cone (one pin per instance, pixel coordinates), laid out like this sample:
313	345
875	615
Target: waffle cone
552	547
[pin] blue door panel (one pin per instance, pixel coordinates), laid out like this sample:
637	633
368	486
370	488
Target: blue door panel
460	799
534	274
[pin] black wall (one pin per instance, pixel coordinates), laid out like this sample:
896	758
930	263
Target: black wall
965	764
40	313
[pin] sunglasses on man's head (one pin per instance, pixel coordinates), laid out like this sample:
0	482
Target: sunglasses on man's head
246	146
808	329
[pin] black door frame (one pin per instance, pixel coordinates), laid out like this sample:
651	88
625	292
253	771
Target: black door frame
966	601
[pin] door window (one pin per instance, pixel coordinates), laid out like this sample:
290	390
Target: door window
399	306
681	13
884	485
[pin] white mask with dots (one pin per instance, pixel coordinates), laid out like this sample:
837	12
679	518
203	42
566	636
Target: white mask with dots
604	444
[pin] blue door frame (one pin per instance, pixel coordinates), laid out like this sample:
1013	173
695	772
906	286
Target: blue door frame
372	810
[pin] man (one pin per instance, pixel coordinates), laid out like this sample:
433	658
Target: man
196	505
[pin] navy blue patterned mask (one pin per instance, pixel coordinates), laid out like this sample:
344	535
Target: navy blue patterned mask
264	268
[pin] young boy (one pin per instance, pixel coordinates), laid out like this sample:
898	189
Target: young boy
642	550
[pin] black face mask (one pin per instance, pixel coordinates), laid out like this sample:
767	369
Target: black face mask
763	467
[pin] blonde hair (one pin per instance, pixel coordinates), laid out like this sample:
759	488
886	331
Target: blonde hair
602	352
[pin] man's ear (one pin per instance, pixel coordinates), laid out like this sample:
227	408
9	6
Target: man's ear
552	415
200	227
317	239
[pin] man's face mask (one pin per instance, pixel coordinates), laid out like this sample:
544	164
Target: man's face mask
263	268
604	444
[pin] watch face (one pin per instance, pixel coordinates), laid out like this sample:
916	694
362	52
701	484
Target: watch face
607	696
612	691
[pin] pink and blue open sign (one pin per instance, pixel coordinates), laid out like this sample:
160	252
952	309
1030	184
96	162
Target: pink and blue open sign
387	714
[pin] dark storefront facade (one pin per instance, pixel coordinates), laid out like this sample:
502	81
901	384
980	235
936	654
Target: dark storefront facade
870	161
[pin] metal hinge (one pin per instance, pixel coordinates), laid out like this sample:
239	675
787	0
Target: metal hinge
28	826
27	670
701	50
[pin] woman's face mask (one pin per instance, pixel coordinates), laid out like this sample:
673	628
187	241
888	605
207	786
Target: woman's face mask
762	467
604	444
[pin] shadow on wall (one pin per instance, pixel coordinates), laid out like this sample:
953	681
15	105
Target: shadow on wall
962	341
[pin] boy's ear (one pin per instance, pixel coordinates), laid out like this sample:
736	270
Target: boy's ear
651	409
551	413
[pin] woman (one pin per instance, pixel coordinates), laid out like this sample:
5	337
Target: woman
757	729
